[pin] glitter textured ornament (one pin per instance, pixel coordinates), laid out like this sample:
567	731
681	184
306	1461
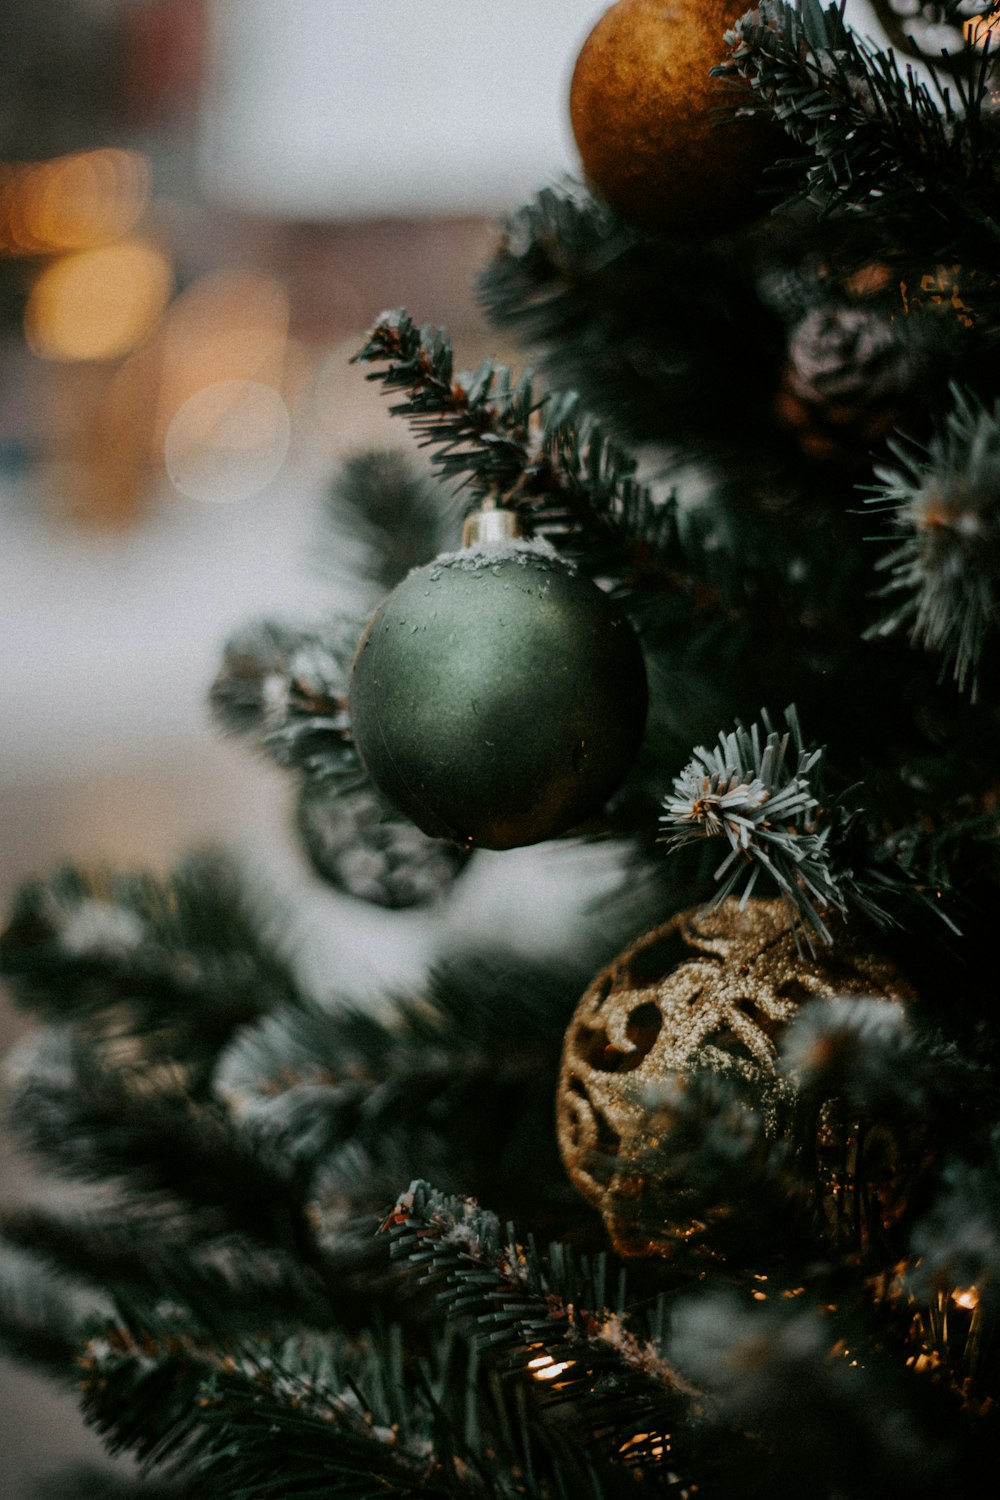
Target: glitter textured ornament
709	989
498	697
651	122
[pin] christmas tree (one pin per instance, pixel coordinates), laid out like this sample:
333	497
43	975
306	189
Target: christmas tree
723	1220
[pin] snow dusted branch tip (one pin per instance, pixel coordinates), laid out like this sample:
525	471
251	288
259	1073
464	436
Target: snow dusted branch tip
423	1214
943	505
753	789
544	1318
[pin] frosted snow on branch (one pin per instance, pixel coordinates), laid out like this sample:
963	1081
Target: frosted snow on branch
944	572
746	791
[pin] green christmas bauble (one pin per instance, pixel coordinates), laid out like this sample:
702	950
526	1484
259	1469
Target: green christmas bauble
497	697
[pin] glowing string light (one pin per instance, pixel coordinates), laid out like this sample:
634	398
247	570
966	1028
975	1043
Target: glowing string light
654	1445
544	1367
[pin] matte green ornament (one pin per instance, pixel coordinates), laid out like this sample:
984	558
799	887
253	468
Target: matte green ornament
497	697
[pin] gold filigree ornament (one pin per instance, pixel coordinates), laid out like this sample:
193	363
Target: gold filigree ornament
713	989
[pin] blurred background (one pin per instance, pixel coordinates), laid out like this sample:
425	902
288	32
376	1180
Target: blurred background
203	206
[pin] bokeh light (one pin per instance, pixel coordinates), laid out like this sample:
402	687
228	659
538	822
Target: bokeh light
227	441
98	304
73	202
230	325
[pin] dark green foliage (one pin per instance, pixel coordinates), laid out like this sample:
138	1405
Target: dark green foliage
361	844
181	963
767	811
832	1424
93	1112
697	350
457	1082
265	1419
261	1189
701	1385
625	318
587	1375
749	820
385	517
708	419
479	423
960	855
764	595
878	137
749	1179
321	1417
172	1251
43	1321
285	689
492	433
246	1212
958	1244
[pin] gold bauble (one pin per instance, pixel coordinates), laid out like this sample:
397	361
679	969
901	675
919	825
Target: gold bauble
651	123
708	988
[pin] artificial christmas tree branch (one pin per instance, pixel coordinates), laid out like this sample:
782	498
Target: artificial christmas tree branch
793	1144
819	851
181	963
384	516
876	137
285	690
236	1417
628	321
146	1257
779	1369
537	453
44	1320
745	792
547	1324
455	1076
481	424
92	1121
